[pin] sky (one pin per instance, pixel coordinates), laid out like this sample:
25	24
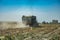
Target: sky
44	10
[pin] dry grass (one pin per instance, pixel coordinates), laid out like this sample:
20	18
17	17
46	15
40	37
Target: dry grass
47	31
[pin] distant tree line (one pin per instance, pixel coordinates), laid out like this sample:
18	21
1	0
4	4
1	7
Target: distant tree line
53	22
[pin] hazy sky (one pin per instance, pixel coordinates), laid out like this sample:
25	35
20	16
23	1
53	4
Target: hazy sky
45	10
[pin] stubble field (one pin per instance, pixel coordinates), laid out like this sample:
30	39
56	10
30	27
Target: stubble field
44	32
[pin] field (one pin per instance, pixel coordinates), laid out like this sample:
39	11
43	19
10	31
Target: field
43	32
